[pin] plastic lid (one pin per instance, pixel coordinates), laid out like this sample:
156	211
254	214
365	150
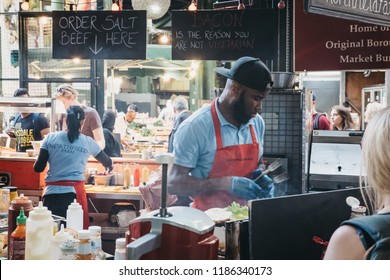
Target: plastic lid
120	242
95	230
69	245
74	205
352	201
21	219
10	188
40	212
359	209
84	234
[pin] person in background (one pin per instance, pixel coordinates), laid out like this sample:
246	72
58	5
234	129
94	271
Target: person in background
371	109
92	126
180	108
167	113
354	238
219	147
131	114
67	154
319	120
27	127
113	146
340	118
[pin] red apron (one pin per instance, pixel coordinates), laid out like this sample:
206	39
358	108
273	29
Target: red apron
81	196
238	160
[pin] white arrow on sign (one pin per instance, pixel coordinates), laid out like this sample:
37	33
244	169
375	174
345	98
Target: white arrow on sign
96	51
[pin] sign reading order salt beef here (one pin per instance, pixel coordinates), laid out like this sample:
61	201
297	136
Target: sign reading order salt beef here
99	34
223	35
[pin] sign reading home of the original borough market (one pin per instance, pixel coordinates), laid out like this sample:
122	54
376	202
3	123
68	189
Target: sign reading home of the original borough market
223	35
323	43
99	34
375	12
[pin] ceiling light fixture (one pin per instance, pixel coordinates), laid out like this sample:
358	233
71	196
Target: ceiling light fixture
25	6
281	4
155	9
193	6
241	5
115	6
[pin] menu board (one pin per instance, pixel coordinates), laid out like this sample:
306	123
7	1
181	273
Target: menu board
223	34
99	34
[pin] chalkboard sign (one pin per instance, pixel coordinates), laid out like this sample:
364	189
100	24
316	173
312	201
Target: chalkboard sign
99	34
224	35
374	12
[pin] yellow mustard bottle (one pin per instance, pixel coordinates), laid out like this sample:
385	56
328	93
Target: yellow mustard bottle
126	176
145	175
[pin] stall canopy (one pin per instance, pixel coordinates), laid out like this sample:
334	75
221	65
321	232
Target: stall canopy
157	63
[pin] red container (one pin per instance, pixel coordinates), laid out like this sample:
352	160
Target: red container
186	233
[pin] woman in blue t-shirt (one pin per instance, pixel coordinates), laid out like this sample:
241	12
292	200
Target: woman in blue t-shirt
67	153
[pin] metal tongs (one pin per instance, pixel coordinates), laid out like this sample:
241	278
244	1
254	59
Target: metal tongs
273	166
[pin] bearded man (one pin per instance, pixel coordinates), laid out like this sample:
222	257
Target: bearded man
219	148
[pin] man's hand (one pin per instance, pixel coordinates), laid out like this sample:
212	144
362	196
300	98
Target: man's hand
245	188
267	186
109	169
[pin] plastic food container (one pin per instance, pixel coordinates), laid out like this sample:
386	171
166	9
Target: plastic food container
101	179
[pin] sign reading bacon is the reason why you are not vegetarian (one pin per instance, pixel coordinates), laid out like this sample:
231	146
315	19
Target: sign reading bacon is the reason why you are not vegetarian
99	34
218	35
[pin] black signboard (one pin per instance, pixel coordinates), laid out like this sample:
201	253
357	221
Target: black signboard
99	34
223	35
375	12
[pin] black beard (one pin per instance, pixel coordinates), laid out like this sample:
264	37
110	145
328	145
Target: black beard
239	110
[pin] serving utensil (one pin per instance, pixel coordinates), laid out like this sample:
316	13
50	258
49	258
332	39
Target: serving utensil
273	166
280	178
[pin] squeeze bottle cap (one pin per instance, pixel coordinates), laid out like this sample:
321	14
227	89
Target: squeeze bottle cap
120	242
84	234
40	212
74	205
95	230
21	219
61	235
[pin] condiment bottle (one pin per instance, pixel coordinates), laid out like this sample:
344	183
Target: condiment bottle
4	203
84	250
120	249
39	231
126	176
96	243
56	241
74	216
14	210
17	240
137	177
145	175
13	192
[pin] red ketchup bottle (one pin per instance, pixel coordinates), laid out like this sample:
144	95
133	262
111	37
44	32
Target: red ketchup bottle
137	177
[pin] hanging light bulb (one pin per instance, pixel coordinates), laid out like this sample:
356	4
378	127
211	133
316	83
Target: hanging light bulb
155	9
115	6
193	6
25	6
241	5
281	4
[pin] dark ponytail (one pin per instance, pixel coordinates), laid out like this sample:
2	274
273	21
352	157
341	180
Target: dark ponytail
75	114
